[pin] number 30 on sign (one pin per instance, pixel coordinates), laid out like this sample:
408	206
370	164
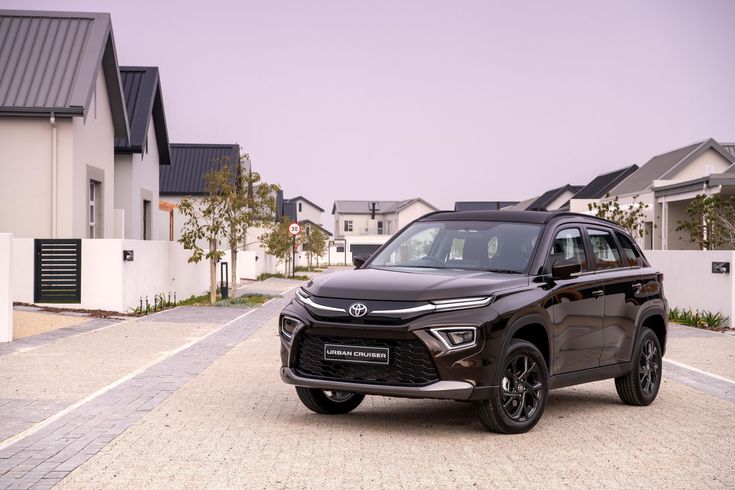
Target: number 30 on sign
294	229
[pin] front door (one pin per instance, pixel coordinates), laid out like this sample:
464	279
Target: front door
578	306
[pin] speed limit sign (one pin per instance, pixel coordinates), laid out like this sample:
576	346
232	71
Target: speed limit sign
294	228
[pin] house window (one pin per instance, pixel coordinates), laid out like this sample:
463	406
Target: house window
95	208
348	225
380	227
299	207
146	219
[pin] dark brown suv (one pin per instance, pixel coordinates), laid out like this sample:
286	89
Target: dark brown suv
492	307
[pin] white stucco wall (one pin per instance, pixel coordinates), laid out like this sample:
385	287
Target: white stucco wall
94	146
136	179
411	212
308	211
6	287
690	283
697	168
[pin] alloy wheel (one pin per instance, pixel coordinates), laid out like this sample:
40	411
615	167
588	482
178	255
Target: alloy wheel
521	388
338	396
648	372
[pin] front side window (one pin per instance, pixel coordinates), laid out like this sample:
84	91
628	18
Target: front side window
348	225
567	245
604	249
469	245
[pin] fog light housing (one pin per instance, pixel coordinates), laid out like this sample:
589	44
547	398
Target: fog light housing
289	326
455	338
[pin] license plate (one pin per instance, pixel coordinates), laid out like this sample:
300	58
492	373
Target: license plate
354	353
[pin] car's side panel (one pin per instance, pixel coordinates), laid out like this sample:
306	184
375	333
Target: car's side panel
622	306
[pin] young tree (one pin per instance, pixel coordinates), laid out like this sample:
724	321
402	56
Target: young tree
711	223
315	244
278	242
204	221
249	203
630	218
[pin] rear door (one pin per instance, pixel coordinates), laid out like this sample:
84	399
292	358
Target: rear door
577	306
617	265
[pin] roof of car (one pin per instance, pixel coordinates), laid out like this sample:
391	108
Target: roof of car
539	217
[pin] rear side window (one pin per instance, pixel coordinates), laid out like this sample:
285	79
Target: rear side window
632	257
567	244
604	249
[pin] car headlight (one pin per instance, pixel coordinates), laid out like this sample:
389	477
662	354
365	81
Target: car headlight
289	326
456	338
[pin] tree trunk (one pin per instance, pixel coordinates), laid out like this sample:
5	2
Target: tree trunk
233	251
212	273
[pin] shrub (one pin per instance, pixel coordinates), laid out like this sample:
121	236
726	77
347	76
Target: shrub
696	318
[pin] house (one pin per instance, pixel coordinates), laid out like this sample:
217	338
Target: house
482	205
363	226
667	184
301	209
62	110
598	188
551	200
185	177
137	160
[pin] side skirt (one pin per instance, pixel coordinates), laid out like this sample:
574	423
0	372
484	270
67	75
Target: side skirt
589	375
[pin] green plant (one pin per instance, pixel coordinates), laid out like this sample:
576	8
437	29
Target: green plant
696	318
267	275
279	243
711	223
630	218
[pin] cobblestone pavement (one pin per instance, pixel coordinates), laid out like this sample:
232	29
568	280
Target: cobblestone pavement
209	410
236	425
38	340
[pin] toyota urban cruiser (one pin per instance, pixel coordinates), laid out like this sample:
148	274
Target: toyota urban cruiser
491	307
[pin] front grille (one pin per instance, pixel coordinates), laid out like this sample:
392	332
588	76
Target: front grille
410	362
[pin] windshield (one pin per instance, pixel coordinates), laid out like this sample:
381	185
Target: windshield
473	245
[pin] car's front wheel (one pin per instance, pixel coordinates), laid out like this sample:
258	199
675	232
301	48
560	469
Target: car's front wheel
329	402
522	391
640	386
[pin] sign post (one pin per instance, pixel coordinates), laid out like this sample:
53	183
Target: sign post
294	229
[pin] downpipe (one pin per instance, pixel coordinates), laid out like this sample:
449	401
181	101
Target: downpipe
54	170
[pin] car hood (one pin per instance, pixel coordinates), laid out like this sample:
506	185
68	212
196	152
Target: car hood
411	284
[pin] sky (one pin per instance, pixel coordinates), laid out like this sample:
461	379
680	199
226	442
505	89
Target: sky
448	101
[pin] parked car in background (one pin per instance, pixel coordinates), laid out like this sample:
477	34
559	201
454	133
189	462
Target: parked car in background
491	307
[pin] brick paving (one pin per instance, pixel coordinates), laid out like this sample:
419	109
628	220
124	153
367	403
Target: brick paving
45	457
40	339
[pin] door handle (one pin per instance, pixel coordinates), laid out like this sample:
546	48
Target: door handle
598	293
637	285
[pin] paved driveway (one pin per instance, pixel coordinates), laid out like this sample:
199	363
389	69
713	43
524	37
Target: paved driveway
205	408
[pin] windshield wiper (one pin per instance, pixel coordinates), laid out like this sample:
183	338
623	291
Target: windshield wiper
504	271
395	266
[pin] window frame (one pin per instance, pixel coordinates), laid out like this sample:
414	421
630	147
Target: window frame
546	268
611	231
348	226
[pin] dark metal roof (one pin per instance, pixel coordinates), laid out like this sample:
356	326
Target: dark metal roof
294	199
602	184
482	205
539	217
144	100
543	201
189	163
49	62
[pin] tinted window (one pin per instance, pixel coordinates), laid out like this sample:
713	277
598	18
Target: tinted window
567	244
474	245
604	249
632	257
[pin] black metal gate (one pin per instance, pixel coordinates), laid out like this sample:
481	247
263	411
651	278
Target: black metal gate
58	271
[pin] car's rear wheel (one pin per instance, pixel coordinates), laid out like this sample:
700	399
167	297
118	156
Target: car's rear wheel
640	386
522	391
328	401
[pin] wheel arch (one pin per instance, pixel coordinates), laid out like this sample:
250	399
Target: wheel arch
533	328
655	319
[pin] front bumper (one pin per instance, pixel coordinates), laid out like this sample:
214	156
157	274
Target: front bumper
452	390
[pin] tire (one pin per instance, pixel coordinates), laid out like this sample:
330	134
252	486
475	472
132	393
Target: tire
329	402
641	385
520	399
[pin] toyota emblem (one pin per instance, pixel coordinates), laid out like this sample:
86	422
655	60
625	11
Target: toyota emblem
357	310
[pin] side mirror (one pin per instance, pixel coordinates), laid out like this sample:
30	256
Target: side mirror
566	268
358	260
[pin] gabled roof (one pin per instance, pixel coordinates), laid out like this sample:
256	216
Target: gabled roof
382	207
311	223
544	200
729	147
49	63
302	198
666	165
144	101
482	205
189	163
602	184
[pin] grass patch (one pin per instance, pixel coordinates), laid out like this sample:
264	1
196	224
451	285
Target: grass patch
244	301
265	276
700	319
306	269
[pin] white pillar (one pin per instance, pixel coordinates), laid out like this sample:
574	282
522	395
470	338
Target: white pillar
6	292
